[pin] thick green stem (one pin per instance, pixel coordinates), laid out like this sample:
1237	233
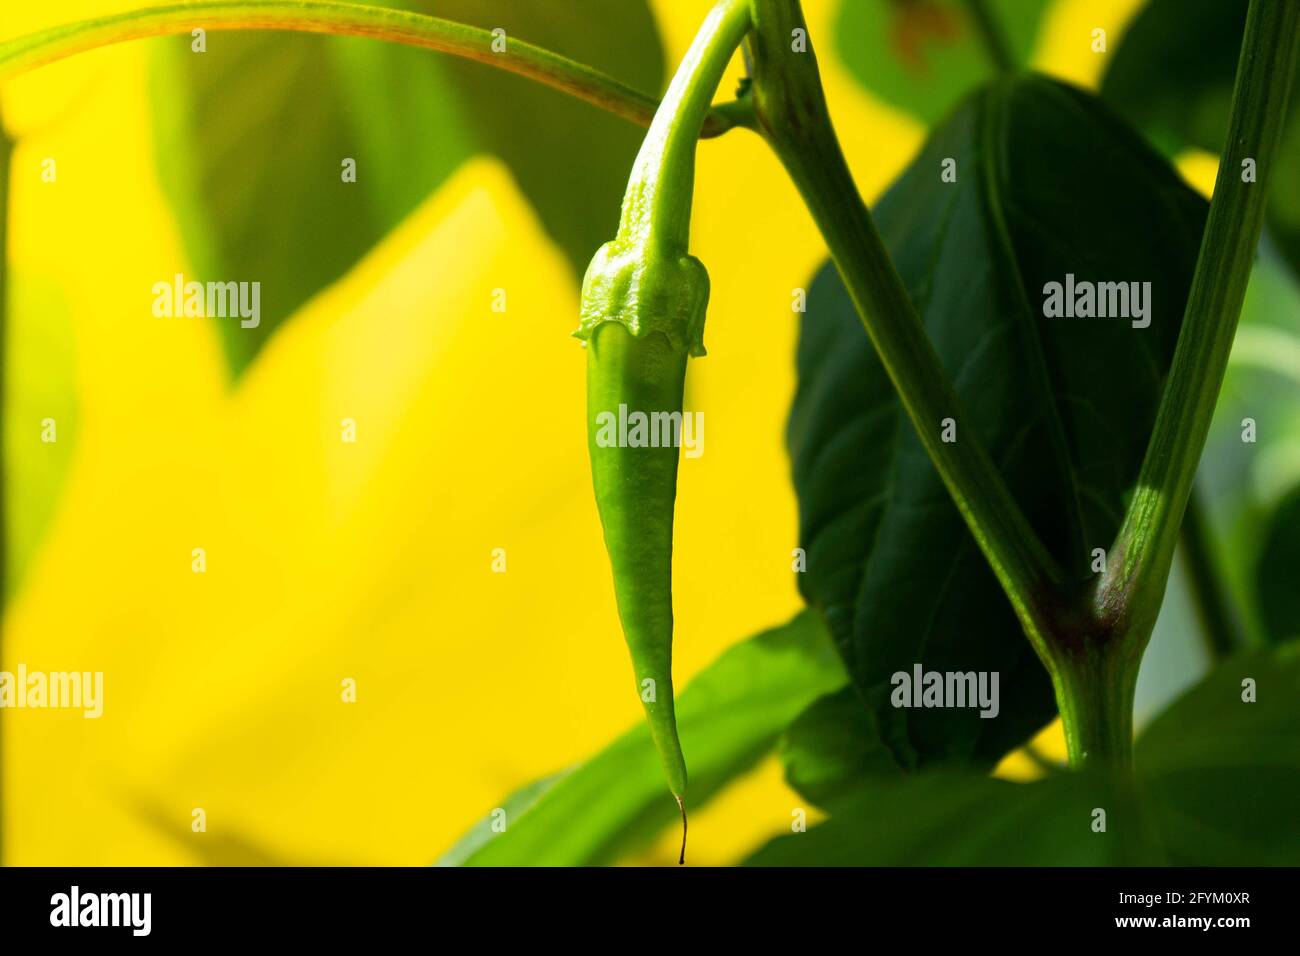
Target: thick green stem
793	116
345	19
1131	594
1095	686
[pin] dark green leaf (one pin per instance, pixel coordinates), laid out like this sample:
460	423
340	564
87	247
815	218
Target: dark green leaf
1171	74
729	717
1245	483
258	191
1048	183
924	55
1172	77
833	749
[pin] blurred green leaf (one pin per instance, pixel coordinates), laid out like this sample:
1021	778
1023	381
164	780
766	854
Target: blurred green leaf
1049	182
1223	775
571	160
1171	74
1172	77
1244	484
513	807
1276	571
956	820
1211	726
40	384
923	56
833	749
729	717
252	134
250	139
1218	783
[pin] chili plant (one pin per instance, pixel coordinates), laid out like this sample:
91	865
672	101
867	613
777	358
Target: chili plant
1008	373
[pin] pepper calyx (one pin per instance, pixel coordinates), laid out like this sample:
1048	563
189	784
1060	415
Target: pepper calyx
646	292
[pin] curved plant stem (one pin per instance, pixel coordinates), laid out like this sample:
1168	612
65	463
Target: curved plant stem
1130	594
345	19
792	116
991	35
657	204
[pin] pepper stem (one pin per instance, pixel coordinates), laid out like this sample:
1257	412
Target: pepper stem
657	205
681	805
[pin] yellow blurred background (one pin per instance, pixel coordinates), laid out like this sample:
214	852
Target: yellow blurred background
372	561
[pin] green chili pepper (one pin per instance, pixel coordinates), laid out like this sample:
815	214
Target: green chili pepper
638	368
643	304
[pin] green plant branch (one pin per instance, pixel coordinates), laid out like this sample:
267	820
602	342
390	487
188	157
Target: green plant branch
1090	643
1094	693
1103	639
1129	595
793	117
346	19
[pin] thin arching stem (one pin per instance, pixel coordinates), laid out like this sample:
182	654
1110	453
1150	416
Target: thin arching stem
347	19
